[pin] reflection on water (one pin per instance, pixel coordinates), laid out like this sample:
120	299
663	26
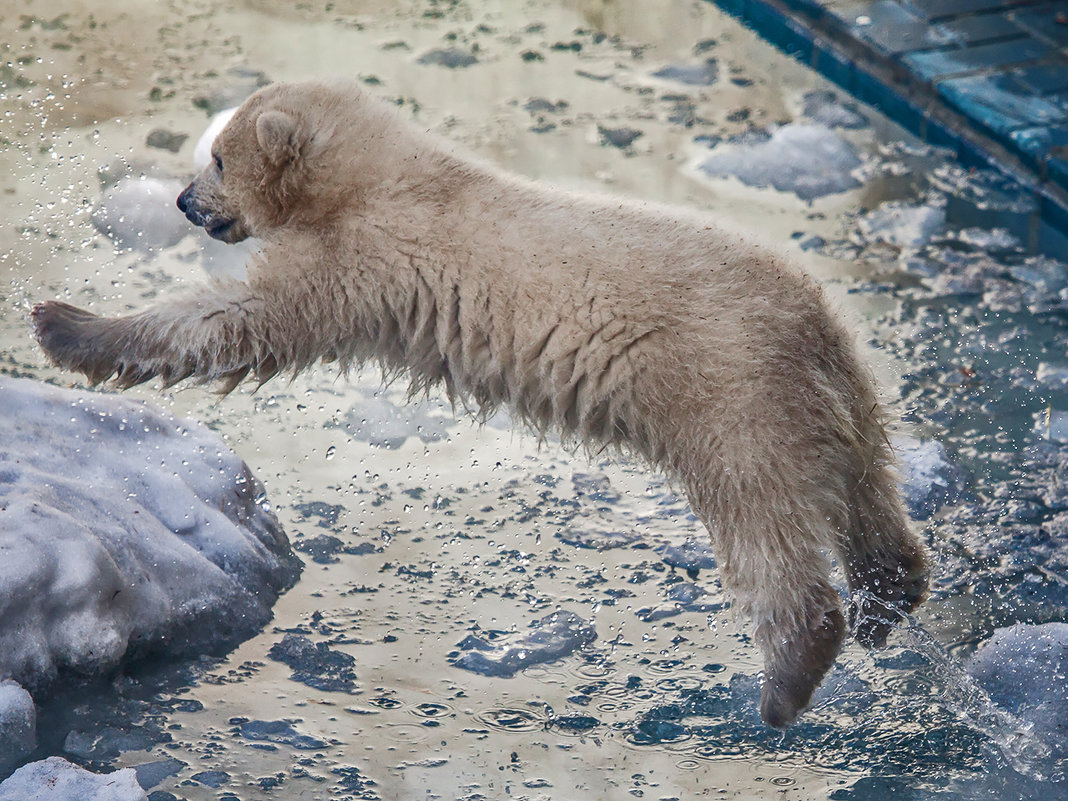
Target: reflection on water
423	533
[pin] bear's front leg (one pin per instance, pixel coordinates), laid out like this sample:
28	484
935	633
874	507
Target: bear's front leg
216	333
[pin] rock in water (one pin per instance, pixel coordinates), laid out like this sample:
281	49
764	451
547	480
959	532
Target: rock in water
124	531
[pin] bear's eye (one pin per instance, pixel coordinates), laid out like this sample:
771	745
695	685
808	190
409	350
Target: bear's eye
218	162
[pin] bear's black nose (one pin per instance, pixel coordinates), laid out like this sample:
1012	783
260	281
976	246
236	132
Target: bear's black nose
183	199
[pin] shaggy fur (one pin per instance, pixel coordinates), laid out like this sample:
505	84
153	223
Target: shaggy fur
613	323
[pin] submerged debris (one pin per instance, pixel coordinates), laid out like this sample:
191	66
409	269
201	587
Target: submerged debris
316	664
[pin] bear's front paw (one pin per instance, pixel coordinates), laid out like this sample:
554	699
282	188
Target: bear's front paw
78	340
60	329
796	668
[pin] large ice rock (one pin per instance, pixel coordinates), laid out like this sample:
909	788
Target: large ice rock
124	531
56	779
806	159
1024	668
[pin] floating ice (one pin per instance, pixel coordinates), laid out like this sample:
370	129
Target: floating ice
124	531
691	556
384	424
928	479
18	724
704	73
1044	274
828	109
1054	376
807	159
902	225
682	597
552	637
1052	424
139	213
1024	668
452	58
56	779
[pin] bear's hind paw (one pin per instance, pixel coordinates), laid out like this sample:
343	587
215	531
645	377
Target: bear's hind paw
797	668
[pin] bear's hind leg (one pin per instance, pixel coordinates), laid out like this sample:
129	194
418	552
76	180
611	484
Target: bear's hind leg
775	568
886	565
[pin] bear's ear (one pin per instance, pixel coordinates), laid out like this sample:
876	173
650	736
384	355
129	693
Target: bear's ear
276	132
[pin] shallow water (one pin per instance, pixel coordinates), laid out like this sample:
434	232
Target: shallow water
427	537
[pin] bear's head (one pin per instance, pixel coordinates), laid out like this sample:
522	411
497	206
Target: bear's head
278	162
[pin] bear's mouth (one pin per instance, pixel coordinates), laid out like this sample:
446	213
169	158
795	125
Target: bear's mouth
229	231
219	230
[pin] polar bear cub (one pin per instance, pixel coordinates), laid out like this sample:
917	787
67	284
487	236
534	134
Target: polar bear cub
614	323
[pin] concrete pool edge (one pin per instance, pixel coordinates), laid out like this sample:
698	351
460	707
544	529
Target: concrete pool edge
810	32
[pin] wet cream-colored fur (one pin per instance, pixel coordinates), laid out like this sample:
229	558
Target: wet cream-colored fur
610	322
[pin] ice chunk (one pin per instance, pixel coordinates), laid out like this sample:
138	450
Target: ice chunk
682	597
202	151
18	724
691	556
124	531
1023	669
807	159
56	779
1054	376
928	479
902	225
552	637
1045	275
139	213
